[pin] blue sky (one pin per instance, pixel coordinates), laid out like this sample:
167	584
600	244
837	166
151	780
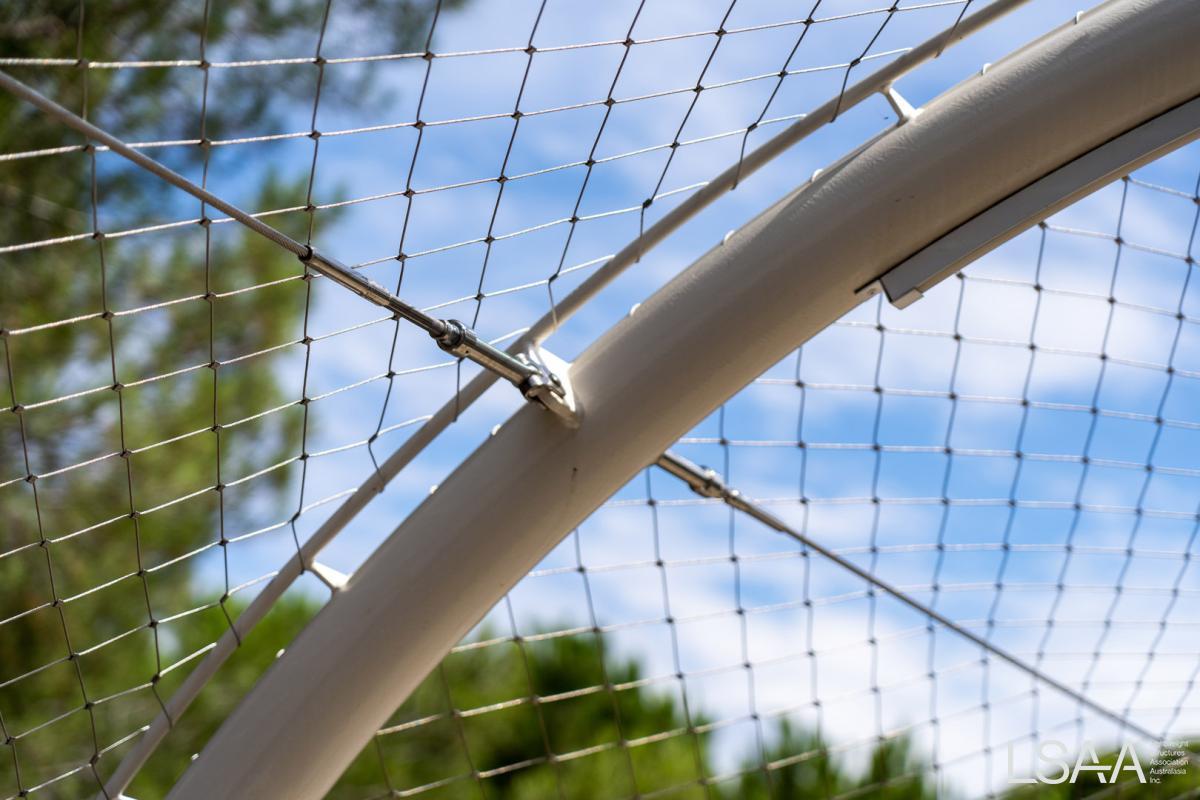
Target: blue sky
838	416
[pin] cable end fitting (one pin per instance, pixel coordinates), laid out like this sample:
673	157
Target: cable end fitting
550	386
455	338
538	375
701	480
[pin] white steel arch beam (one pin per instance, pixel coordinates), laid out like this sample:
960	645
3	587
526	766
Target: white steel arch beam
876	82
770	286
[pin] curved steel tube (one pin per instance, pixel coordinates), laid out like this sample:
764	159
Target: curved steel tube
773	284
727	181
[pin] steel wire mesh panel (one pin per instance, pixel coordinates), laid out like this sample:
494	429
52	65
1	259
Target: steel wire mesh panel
185	404
1017	452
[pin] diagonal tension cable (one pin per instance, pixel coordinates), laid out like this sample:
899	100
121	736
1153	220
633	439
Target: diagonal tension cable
707	483
529	375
